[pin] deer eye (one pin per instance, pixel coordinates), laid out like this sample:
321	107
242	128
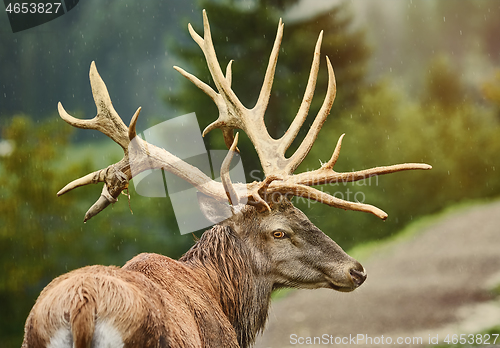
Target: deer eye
279	234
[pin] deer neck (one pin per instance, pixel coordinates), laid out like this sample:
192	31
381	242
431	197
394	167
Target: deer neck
230	269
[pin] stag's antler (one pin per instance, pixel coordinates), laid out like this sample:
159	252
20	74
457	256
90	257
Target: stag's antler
140	155
232	114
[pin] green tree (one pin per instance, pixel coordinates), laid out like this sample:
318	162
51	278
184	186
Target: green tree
42	235
491	92
30	217
443	86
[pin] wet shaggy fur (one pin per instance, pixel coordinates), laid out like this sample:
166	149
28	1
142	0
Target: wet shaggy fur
205	299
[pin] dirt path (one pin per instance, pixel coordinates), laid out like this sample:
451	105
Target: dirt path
434	282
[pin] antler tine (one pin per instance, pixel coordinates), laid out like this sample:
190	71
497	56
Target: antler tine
218	100
207	46
336	154
198	83
300	184
107	120
265	92
133	122
224	174
306	145
227	102
287	139
92	178
326	174
212	94
325	198
102	202
229	73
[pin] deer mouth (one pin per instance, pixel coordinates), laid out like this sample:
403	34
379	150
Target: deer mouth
348	286
356	279
341	288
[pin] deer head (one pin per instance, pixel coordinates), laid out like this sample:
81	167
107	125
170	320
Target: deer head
287	249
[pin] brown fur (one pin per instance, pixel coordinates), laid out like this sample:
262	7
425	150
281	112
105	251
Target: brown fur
216	295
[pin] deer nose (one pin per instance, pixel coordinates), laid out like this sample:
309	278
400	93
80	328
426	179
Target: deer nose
358	277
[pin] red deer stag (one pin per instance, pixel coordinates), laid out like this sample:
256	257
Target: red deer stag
217	295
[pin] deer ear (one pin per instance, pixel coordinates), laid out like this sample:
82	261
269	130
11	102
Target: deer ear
213	210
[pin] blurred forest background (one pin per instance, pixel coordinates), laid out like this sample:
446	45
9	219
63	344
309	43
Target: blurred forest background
418	81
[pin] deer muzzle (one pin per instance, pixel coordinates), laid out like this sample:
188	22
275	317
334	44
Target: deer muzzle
358	276
352	278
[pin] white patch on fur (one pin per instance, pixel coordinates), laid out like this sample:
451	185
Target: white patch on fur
61	339
106	336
